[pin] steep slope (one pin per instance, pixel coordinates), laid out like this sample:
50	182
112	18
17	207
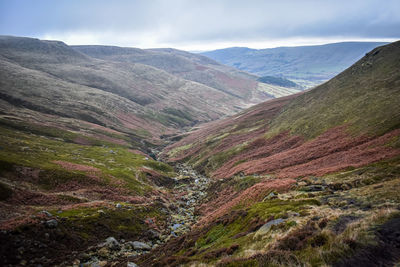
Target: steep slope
308	179
188	66
306	65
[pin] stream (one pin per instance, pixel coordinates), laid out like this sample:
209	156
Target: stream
189	191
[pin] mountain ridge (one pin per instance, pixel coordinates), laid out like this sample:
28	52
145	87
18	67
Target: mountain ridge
307	65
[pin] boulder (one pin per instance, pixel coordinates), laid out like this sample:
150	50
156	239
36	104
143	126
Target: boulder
270	196
48	214
111	243
137	245
51	223
266	227
153	234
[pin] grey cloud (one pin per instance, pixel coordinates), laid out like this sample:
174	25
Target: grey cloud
175	21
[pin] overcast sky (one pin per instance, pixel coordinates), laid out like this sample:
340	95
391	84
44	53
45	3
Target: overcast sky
202	24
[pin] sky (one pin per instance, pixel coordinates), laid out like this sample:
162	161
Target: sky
199	25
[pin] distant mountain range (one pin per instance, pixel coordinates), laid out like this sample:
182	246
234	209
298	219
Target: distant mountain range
305	65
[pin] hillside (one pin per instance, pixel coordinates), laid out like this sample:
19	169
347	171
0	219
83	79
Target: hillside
306	65
177	102
278	81
192	67
311	178
79	136
126	157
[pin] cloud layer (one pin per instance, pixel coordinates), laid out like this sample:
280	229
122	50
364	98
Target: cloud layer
199	24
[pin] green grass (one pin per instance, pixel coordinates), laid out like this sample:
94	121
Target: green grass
53	132
364	97
125	222
221	235
30	150
216	160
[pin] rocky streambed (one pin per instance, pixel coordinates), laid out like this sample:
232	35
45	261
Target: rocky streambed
189	190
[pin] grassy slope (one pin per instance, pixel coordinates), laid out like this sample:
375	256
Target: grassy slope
350	222
177	63
147	92
362	98
78	176
342	218
71	128
189	66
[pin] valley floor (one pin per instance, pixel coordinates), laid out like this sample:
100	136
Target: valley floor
62	204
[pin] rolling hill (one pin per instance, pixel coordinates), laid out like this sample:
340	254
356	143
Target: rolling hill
311	178
306	65
122	156
193	67
80	128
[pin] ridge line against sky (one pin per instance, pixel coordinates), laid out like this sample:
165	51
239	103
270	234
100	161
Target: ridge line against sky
202	25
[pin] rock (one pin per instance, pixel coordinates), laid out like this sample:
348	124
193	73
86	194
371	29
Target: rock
84	256
137	245
51	223
48	214
270	196
118	206
176	226
266	227
101	212
153	234
102	263
103	252
111	243
301	183
314	188
131	264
